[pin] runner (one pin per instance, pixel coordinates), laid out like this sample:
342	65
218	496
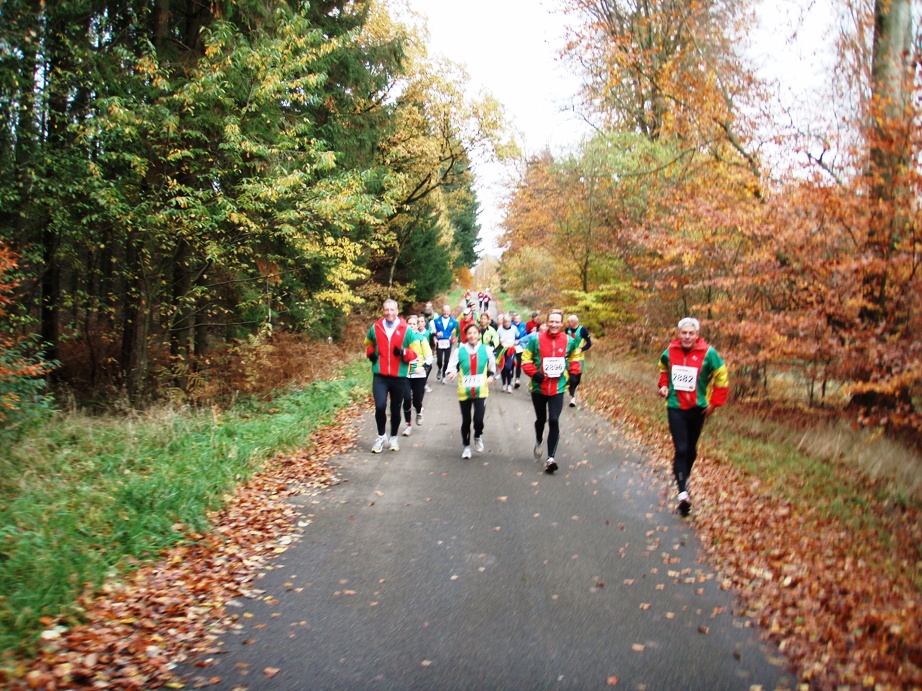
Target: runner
581	334
416	379
693	380
477	367
445	329
550	359
532	324
517	323
487	297
387	346
480	298
488	335
424	328
508	336
468	317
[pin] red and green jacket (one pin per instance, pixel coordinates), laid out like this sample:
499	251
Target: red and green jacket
377	342
556	357
684	371
477	365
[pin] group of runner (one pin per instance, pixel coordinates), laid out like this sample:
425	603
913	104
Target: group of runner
693	378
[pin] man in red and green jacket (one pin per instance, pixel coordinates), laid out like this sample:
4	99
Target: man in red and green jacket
693	380
550	358
387	346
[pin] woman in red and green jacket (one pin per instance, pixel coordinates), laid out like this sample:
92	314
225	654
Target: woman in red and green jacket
474	365
549	358
693	380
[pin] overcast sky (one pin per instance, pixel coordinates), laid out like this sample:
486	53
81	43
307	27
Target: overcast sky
510	48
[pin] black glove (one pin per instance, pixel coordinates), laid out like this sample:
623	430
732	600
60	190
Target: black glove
373	357
428	368
537	377
398	352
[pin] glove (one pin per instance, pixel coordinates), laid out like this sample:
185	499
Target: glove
537	377
428	368
398	352
373	357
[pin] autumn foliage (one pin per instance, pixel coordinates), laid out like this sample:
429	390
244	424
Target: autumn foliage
805	262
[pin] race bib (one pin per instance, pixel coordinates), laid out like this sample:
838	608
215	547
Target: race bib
472	381
684	378
507	342
553	366
520	349
444	343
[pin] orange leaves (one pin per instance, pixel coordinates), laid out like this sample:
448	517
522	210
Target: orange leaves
136	631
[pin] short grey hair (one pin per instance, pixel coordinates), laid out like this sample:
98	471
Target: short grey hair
689	321
390	301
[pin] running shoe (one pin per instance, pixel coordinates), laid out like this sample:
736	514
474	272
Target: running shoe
408	431
538	451
428	389
394	445
509	389
419	416
684	503
572	401
467	452
378	446
517	384
550	465
478	444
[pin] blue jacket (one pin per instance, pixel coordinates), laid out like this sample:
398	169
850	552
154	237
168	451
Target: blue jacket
451	331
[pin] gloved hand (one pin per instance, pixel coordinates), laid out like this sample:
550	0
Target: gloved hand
428	368
537	377
398	352
373	357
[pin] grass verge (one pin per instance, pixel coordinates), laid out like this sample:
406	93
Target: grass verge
85	498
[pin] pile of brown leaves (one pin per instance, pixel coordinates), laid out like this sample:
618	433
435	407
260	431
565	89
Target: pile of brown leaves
172	611
841	605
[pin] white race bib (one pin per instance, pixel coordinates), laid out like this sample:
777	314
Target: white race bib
444	343
520	349
472	381
553	366
507	342
684	378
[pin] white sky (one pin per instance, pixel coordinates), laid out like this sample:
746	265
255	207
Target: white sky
510	47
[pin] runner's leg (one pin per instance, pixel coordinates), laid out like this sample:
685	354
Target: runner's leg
678	427
379	392
554	406
539	401
397	386
480	409
466	421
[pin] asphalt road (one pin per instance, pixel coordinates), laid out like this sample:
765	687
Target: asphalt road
426	571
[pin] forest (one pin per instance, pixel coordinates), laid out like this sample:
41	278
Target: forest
701	193
179	175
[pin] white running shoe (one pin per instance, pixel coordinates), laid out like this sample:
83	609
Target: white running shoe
478	444
684	503
394	445
550	465
538	451
428	389
572	401
509	388
378	446
467	452
419	416
408	431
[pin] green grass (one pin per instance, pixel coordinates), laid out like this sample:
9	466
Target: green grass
508	304
81	497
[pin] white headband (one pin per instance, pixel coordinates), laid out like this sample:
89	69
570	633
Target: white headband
689	321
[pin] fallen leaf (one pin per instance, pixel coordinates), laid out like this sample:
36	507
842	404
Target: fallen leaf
270	672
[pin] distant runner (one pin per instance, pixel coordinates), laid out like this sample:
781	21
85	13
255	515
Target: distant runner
445	329
693	380
581	335
416	379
